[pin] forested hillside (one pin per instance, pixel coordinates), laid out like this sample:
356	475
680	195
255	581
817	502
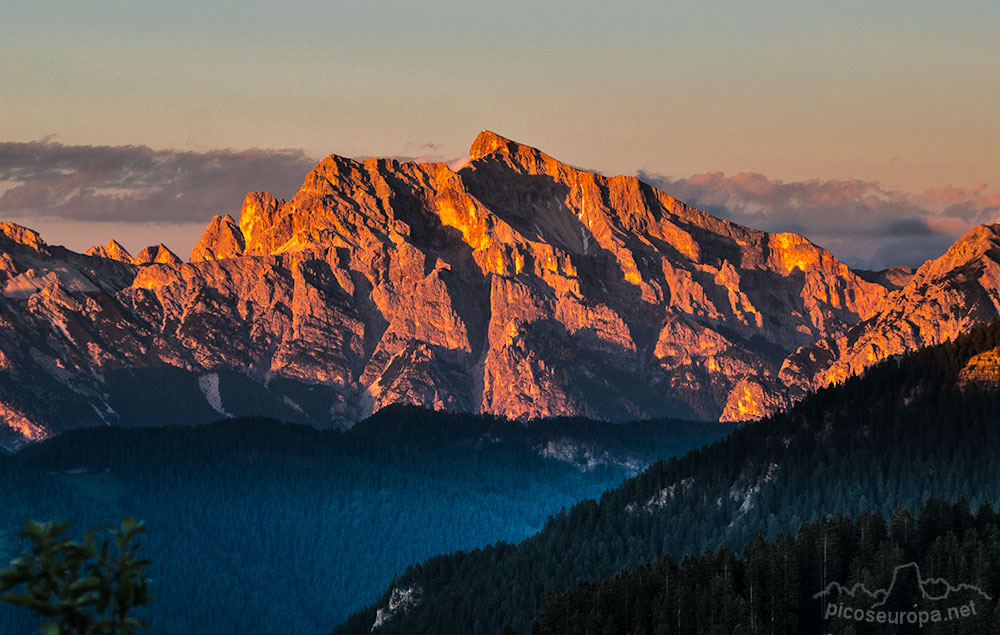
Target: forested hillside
773	586
261	527
903	432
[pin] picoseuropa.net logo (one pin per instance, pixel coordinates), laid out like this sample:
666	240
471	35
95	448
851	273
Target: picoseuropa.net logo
910	600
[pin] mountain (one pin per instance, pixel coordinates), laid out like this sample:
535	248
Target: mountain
907	430
157	254
517	286
945	297
112	251
261	527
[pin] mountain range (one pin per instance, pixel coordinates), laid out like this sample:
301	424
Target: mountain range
517	286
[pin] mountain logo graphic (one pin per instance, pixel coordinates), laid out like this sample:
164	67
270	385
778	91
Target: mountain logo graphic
931	589
910	599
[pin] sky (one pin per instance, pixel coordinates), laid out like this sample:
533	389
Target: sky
869	127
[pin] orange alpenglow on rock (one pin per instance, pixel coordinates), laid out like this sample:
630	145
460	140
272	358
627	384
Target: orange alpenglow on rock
222	239
158	254
982	369
112	251
518	286
22	235
21	426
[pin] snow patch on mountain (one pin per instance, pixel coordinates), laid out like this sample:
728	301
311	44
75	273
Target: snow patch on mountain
291	404
209	385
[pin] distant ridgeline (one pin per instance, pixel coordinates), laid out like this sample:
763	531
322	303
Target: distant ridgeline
908	429
261	527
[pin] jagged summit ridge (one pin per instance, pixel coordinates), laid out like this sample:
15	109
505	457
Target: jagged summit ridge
945	297
518	285
222	239
22	236
159	254
113	250
528	159
487	142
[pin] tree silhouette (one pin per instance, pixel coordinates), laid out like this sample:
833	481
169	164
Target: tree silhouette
79	588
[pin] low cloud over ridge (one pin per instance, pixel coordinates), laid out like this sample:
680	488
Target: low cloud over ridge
137	184
860	222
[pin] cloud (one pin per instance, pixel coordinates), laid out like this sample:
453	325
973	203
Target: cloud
137	184
862	223
458	164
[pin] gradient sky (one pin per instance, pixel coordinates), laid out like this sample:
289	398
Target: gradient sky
900	95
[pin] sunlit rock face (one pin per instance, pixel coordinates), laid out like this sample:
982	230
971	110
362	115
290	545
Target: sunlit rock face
944	298
518	286
222	239
982	369
157	254
112	251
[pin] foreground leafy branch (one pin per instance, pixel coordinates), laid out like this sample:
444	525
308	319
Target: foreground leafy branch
79	588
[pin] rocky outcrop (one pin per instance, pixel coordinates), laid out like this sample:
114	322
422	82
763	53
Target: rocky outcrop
756	396
112	251
157	254
12	233
982	369
222	239
518	286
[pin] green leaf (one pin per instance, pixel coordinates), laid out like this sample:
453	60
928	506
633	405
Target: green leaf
17	599
85	584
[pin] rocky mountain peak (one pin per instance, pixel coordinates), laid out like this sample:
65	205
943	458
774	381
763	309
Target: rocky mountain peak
23	236
980	241
158	254
488	142
638	271
113	250
946	296
222	239
491	151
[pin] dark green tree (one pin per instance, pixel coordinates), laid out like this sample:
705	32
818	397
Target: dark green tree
79	588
